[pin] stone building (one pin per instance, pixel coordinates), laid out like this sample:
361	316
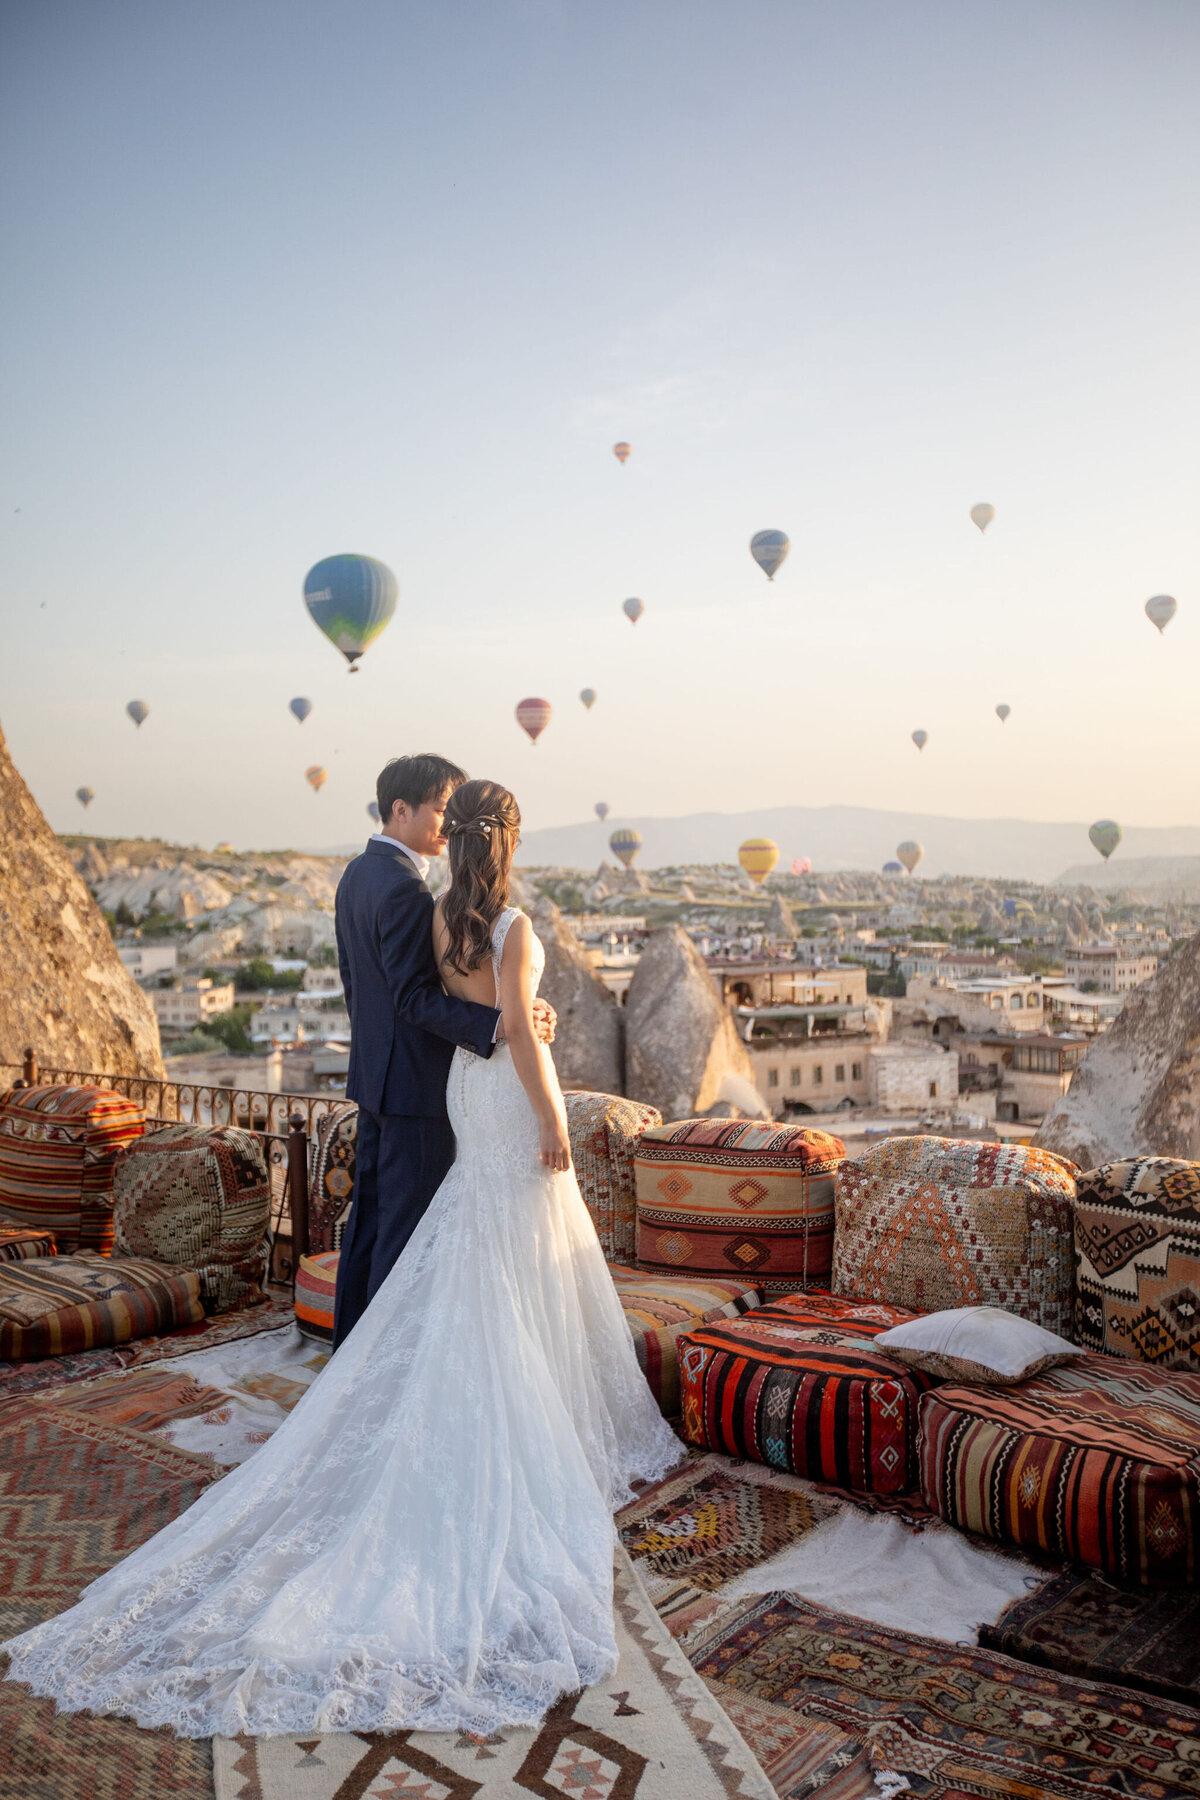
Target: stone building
191	1002
906	1078
1113	968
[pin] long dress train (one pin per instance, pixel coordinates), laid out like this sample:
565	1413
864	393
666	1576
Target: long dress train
426	1542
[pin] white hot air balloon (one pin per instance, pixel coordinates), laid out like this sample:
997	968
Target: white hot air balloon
1161	610
920	739
1002	712
909	853
982	515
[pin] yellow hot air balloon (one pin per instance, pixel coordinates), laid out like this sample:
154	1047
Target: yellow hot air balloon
316	777
758	857
622	451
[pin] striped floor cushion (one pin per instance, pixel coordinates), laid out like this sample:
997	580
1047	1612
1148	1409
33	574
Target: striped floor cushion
733	1196
798	1384
57	1149
56	1306
1097	1461
605	1131
660	1308
316	1283
18	1245
1137	1261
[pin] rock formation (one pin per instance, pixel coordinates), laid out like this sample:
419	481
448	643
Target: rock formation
587	1043
1137	1091
780	923
64	991
681	1042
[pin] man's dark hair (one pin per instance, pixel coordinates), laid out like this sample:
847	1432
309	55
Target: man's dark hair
415	780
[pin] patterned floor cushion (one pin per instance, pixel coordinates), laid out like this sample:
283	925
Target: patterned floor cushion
605	1131
1097	1461
316	1282
933	1223
798	1384
1137	1261
660	1308
331	1183
57	1147
18	1245
57	1305
716	1196
198	1197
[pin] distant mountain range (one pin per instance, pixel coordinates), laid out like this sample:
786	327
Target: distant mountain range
860	837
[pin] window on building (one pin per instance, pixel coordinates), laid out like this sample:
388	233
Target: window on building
839	1072
772	1077
856	1071
1014	1002
1032	1000
818	1075
997	1000
795	1078
933	1090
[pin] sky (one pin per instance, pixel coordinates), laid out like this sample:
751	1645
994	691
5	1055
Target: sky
284	280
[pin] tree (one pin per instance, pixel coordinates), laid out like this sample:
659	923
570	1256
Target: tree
258	974
230	1028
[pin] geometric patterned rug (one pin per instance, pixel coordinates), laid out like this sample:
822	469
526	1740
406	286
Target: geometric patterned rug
652	1731
1083	1625
953	1721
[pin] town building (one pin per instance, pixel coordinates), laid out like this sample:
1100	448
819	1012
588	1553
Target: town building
906	1078
764	981
813	1057
1008	1002
1067	1005
190	1002
145	960
1027	1074
322	979
1113	968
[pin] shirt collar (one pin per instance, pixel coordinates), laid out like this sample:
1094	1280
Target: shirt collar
414	856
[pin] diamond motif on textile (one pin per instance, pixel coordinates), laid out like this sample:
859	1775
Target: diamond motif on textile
674	1187
747	1253
1030	1486
1183	1310
397	1782
582	1774
1165	1531
747	1193
673	1247
571	1760
1181	1186
1151	1337
339	1183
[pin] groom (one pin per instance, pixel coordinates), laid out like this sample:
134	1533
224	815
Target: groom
404	1028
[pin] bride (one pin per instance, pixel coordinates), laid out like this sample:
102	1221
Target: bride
427	1540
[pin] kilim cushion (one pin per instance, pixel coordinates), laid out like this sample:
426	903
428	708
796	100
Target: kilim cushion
660	1308
17	1245
1097	1462
331	1184
799	1384
605	1131
933	1223
198	1197
1137	1261
57	1147
722	1195
59	1305
316	1283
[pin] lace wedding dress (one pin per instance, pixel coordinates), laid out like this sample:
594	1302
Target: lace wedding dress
427	1540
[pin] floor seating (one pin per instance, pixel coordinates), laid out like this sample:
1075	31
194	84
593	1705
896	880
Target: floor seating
605	1131
57	1150
1137	1261
932	1223
798	1384
1097	1461
737	1196
57	1305
17	1243
198	1197
331	1177
316	1284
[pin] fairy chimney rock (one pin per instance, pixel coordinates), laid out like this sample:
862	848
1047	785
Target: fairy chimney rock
587	1039
64	991
682	1050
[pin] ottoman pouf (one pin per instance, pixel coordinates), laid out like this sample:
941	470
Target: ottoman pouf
722	1196
331	1183
1137	1261
660	1308
934	1223
57	1305
316	1283
798	1384
198	1197
1097	1461
57	1149
18	1245
605	1131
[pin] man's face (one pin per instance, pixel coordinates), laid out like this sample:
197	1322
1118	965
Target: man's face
423	824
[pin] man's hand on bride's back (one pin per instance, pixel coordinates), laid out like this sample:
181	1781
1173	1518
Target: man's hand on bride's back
544	1020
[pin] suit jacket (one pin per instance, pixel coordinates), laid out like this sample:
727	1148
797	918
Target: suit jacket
403	1026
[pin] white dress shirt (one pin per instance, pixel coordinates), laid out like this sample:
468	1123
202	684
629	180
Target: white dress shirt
414	856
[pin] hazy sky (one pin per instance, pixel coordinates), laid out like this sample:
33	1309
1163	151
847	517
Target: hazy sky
281	280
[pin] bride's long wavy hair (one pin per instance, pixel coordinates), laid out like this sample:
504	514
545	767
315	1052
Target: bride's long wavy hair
482	825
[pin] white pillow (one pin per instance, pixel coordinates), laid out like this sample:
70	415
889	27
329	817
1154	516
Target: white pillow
982	1344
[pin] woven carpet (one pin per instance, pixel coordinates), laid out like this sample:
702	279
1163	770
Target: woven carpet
653	1731
142	1399
954	1722
76	1495
1081	1624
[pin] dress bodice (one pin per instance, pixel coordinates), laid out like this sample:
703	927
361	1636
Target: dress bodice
499	933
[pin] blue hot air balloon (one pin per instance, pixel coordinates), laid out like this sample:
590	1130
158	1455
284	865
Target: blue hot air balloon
351	598
300	707
893	867
373	810
769	548
138	711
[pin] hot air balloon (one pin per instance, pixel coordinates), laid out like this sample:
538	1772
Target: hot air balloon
601	810
633	610
622	451
920	739
1002	712
893	868
373	810
758	857
769	550
1161	610
85	796
301	708
1105	834
533	716
909	853
588	696
316	777
138	712
801	865
625	845
223	849
351	598
982	515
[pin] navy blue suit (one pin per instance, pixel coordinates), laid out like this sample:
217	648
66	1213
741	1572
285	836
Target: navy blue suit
403	1031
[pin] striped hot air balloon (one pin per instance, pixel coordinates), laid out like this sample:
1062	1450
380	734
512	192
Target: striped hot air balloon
758	857
622	451
533	716
1105	834
769	550
351	598
316	777
625	845
85	796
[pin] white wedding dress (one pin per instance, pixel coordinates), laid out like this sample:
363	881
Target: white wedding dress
427	1540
